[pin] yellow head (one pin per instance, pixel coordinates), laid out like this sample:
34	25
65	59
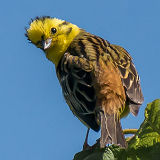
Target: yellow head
52	35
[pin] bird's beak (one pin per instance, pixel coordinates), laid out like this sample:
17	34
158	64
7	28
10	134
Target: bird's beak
47	43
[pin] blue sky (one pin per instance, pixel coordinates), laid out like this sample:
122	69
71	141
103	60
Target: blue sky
35	122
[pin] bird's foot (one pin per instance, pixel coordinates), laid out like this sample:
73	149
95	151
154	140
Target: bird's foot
88	147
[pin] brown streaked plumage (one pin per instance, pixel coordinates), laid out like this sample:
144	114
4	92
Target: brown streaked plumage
104	64
98	79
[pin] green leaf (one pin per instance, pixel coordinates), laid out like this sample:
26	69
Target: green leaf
145	145
96	154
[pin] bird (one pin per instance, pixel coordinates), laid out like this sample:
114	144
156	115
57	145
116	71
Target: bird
98	79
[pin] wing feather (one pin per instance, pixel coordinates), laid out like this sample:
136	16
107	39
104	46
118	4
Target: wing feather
130	78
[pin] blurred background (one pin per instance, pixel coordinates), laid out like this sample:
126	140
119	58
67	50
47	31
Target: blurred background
35	121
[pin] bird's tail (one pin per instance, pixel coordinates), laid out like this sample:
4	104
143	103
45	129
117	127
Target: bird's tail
111	130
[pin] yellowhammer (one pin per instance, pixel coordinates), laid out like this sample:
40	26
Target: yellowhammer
99	80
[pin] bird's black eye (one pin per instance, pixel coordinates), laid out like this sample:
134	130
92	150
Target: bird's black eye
53	30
